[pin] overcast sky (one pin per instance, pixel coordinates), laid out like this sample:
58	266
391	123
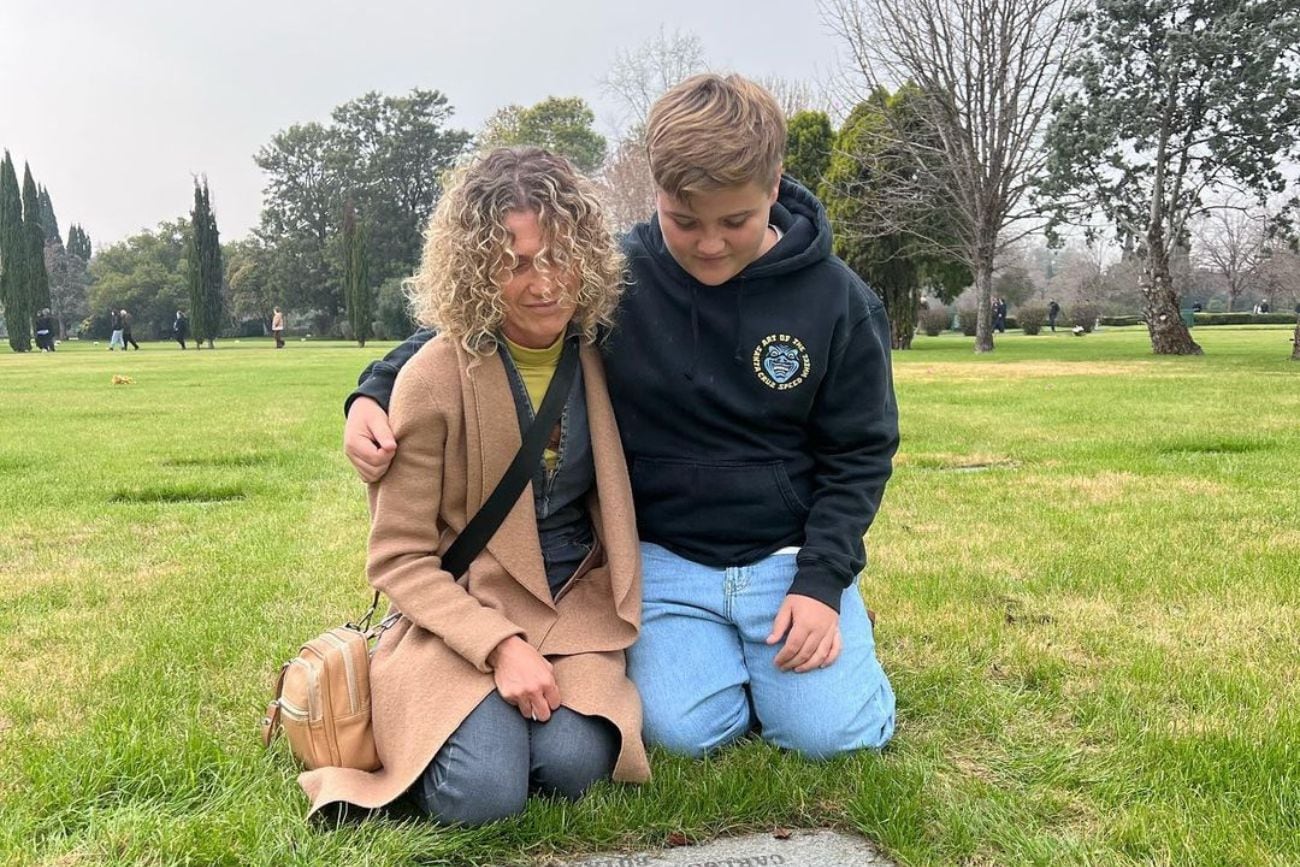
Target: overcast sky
117	104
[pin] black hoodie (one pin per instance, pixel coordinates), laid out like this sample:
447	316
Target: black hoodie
755	415
760	413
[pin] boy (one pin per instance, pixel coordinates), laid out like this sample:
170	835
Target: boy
749	370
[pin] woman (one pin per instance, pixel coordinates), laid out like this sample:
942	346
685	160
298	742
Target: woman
45	330
277	328
510	680
181	328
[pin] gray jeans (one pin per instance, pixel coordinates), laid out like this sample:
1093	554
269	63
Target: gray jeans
487	768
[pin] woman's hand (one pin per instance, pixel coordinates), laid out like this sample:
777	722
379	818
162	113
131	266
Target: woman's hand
524	678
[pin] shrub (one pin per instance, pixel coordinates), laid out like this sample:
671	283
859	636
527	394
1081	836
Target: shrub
1084	316
935	320
1120	321
1244	318
967	316
1031	317
392	315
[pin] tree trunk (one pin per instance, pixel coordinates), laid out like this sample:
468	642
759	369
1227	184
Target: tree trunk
983	309
902	308
1169	336
1295	341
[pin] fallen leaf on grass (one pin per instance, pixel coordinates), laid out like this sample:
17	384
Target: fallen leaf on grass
781	834
118	379
677	838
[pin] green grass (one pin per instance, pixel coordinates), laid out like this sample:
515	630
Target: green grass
1087	570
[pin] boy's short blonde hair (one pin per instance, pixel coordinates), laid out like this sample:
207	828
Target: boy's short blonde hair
713	131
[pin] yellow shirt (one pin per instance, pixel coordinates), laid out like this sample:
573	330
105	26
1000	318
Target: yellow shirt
537	368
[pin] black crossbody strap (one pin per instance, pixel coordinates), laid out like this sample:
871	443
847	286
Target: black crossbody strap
495	508
485	522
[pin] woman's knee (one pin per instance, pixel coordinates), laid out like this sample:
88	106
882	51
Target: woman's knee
571	751
470	795
481	773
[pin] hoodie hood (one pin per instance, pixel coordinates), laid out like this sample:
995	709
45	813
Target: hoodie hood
805	242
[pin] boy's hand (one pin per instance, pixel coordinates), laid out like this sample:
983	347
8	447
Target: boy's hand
368	440
814	639
525	678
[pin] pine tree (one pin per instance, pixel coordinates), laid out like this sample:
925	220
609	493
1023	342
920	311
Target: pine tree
356	278
13	261
38	279
205	272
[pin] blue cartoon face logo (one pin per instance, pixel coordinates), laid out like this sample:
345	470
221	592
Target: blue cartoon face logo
781	362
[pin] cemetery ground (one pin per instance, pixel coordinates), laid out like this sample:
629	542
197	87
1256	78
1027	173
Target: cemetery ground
1086	569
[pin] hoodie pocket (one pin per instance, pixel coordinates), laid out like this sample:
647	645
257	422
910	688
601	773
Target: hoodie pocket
730	502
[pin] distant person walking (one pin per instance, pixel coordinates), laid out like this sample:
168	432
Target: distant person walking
115	324
1053	311
277	328
181	328
126	332
1000	315
45	331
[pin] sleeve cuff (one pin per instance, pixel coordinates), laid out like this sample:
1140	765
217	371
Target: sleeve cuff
817	581
377	385
476	642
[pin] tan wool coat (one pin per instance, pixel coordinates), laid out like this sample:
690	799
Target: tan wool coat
457	432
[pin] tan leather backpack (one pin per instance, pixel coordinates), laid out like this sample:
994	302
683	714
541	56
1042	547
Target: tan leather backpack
322	701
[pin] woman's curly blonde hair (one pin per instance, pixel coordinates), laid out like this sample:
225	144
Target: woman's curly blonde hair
467	255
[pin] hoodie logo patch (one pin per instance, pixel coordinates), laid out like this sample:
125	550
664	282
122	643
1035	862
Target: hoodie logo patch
781	362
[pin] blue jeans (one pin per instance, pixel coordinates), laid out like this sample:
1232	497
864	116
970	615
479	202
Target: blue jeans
706	674
492	762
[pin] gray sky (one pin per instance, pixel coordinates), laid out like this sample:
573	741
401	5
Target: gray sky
131	99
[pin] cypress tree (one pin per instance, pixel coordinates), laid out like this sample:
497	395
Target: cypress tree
49	222
38	279
78	242
13	261
205	272
356	277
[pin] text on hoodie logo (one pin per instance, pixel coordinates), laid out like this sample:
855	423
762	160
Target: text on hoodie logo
781	362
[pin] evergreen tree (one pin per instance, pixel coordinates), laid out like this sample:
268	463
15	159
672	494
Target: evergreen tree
38	279
79	242
205	272
886	250
808	147
48	221
1176	102
356	277
13	257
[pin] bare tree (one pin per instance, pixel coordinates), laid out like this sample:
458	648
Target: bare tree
987	71
626	187
794	94
639	75
1231	242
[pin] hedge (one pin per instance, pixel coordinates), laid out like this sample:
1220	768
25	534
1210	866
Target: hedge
1212	319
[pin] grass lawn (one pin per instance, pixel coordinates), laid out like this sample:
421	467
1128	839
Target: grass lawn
1087	570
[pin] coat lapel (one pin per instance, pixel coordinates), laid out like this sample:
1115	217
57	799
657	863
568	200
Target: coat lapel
493	439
